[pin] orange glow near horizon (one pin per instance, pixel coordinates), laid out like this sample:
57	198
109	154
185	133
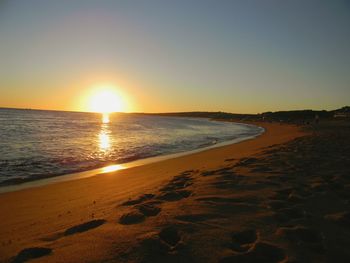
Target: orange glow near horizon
106	99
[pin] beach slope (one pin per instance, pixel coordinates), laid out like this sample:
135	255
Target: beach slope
202	207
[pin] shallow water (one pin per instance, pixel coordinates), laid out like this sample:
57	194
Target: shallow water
38	144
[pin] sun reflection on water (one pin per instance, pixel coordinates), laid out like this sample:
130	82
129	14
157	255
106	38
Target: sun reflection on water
105	118
104	135
105	141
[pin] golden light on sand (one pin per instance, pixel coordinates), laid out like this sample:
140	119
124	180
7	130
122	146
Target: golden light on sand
112	168
106	99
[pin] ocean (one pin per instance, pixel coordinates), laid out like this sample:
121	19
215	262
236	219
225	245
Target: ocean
36	144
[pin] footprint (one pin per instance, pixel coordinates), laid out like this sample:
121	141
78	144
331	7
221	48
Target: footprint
138	200
261	169
164	246
295	198
218	199
84	227
185	193
231	176
300	233
179	184
175	195
319	187
148	209
246	161
287	214
225	184
182	176
150	249
243	240
31	253
133	217
304	237
304	192
170	235
224	170
260	252
282	194
197	217
208	173
187	172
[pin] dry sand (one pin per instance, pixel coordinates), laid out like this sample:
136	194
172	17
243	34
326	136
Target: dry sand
247	202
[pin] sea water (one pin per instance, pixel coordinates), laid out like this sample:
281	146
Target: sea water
37	144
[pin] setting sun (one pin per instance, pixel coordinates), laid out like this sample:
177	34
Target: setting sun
106	99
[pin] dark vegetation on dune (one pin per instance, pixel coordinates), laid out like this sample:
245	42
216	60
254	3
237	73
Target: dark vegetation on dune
294	116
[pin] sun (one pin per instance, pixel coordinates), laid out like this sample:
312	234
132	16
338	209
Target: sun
106	99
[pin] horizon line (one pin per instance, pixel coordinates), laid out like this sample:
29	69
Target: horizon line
172	112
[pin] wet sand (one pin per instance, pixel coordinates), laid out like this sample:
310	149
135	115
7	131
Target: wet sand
282	197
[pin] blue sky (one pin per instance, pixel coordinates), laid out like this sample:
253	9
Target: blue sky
237	56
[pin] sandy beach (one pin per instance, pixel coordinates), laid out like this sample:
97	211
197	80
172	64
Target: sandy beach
43	214
174	131
261	200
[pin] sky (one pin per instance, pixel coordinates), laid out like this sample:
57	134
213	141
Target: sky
240	56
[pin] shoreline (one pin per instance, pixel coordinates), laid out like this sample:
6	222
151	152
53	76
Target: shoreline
44	212
121	166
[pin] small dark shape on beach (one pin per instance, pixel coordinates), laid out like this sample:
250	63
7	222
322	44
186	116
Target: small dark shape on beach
246	161
244	237
138	200
175	195
152	249
84	227
149	209
261	252
170	235
31	253
197	217
184	193
208	173
300	234
130	218
242	241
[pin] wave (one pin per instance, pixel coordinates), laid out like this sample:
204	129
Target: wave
47	144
